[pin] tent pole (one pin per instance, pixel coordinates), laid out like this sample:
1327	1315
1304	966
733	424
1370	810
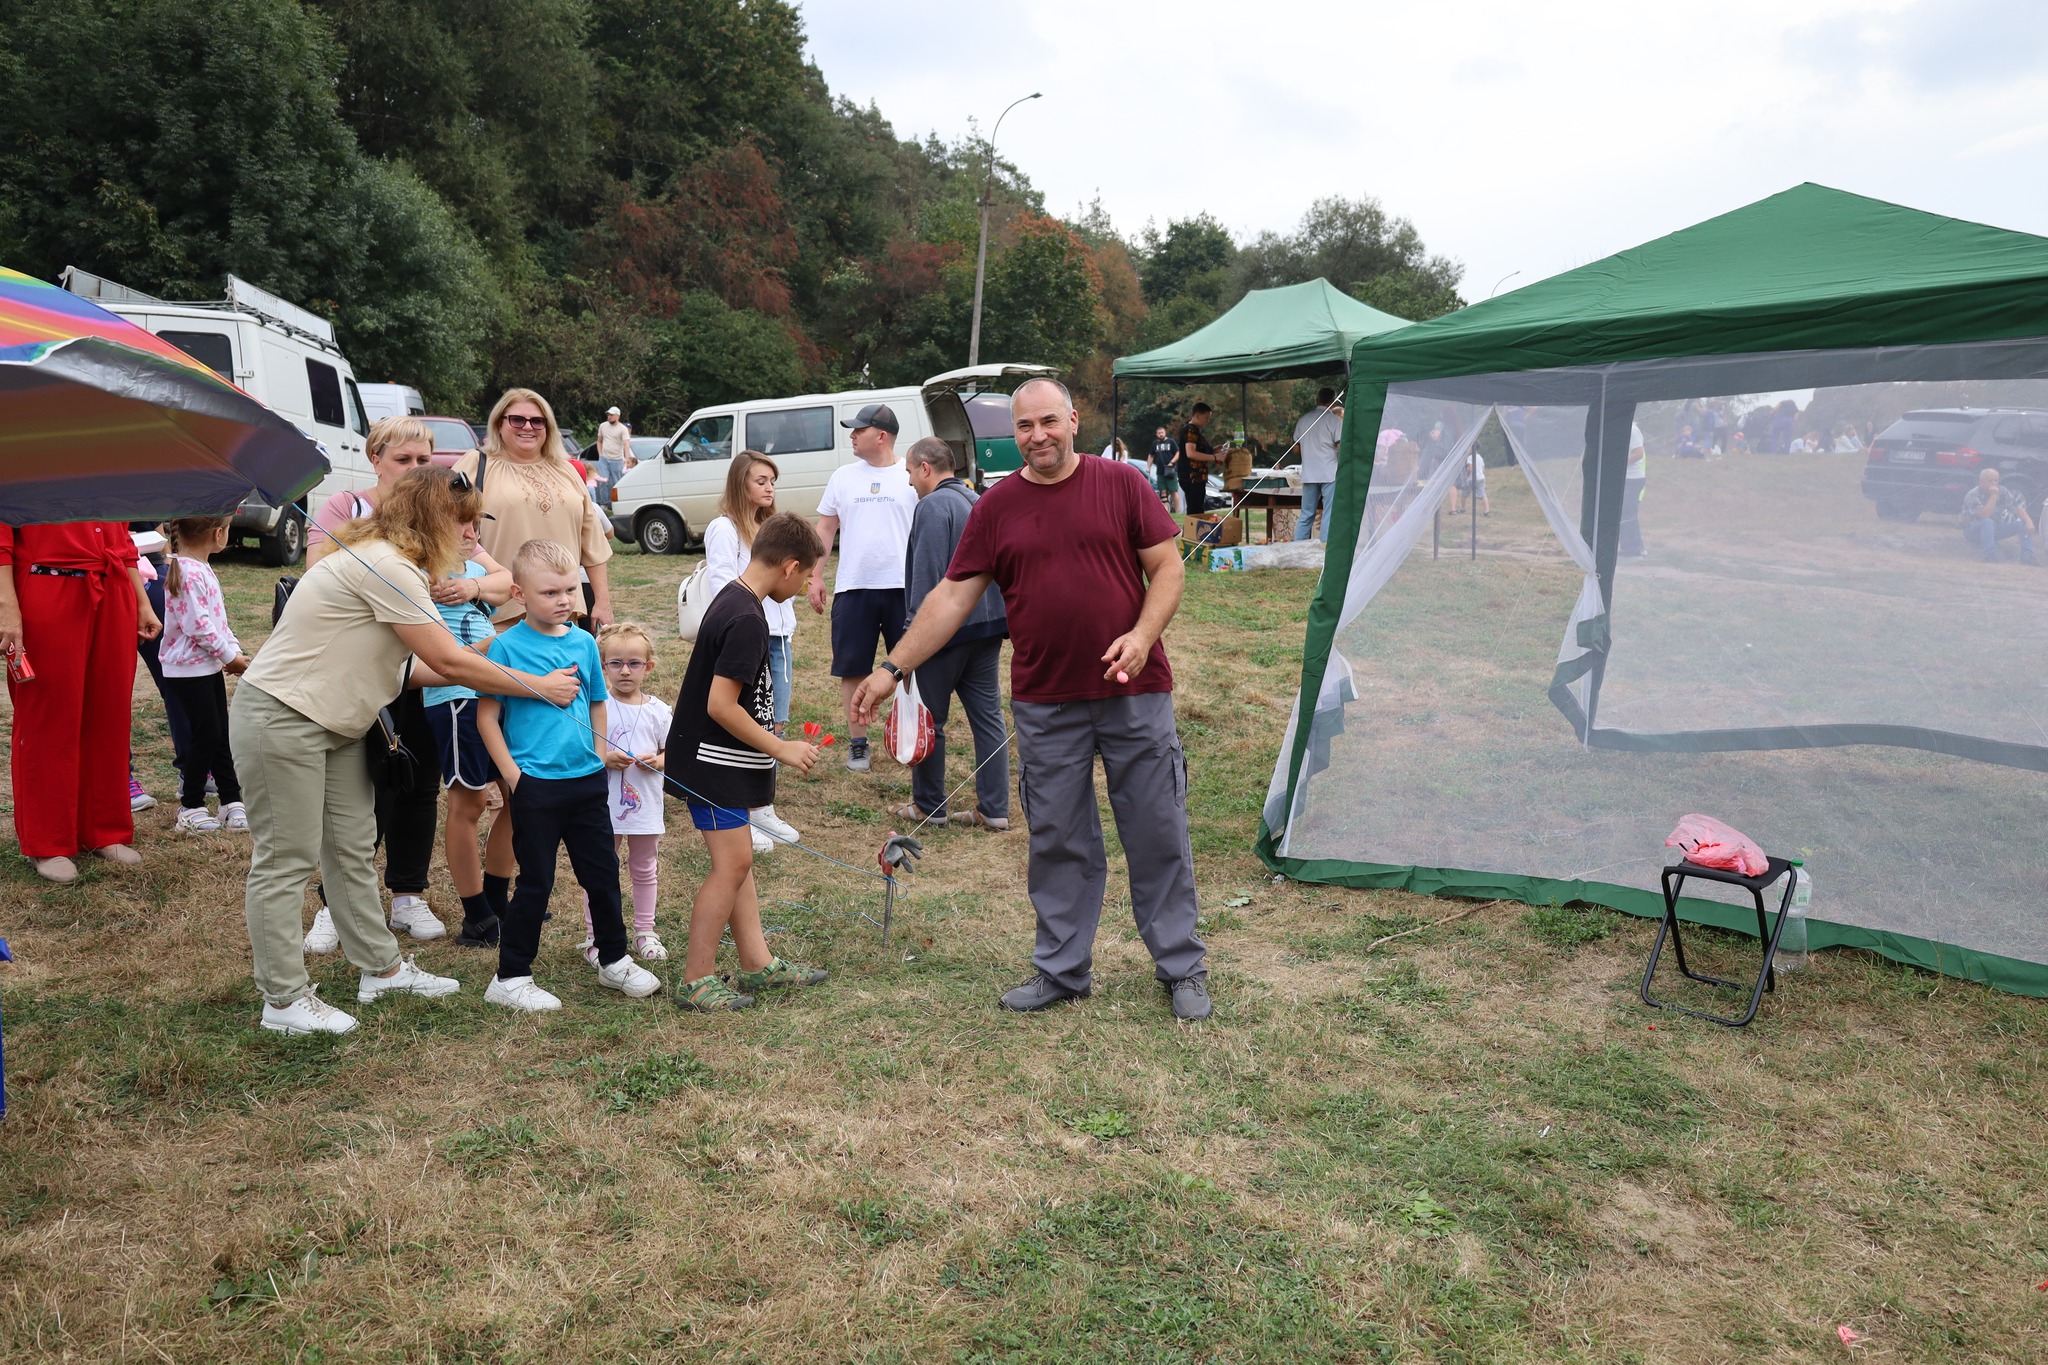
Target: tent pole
1473	455
1112	410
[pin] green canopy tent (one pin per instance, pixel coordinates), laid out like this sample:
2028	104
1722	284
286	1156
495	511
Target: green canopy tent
1867	693
1294	332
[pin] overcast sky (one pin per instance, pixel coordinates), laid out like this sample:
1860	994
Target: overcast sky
1524	137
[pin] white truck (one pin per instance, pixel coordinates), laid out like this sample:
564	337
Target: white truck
279	354
665	502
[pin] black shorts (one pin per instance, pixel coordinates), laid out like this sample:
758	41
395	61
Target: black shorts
858	616
465	762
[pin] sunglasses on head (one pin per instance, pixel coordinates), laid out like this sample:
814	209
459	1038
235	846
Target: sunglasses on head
533	423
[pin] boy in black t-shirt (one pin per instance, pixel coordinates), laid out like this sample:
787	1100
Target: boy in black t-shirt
722	752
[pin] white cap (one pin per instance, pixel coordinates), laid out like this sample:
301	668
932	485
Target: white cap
611	412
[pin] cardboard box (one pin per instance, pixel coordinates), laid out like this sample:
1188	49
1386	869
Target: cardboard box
1210	530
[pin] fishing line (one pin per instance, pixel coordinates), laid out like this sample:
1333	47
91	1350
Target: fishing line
1243	493
583	720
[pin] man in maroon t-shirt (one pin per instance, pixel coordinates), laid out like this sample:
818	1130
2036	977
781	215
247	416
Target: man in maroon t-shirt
1091	573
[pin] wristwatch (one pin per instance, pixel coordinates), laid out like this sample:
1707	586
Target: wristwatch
892	670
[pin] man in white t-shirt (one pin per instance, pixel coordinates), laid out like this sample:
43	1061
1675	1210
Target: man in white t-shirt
869	505
1632	494
1316	433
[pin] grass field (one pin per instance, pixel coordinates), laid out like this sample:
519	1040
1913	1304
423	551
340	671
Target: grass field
1469	1144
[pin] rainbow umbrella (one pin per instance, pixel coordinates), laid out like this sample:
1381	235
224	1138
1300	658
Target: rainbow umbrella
103	421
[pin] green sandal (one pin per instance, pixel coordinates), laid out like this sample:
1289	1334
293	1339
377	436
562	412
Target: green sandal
779	973
709	993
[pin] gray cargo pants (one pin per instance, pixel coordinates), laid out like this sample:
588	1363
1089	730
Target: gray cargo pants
1069	868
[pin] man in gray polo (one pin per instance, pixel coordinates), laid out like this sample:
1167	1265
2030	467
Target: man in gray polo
970	664
1090	571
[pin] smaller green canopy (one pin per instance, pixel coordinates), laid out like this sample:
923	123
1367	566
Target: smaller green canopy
1291	332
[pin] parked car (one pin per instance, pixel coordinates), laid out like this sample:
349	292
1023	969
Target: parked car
667	501
391	400
1930	458
279	354
453	438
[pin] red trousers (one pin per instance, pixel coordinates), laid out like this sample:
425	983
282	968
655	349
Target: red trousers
71	723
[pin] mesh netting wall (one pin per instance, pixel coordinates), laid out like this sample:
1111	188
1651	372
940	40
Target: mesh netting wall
1791	631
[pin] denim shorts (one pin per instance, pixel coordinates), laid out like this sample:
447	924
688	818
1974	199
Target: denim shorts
717	817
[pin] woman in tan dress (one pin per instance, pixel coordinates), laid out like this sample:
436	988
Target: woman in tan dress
532	492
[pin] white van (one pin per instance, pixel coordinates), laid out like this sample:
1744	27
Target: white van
282	356
664	503
391	400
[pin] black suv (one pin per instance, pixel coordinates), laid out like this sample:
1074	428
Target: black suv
1928	459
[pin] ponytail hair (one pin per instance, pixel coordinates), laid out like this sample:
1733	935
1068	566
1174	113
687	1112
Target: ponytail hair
184	531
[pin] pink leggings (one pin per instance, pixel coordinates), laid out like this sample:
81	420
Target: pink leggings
641	850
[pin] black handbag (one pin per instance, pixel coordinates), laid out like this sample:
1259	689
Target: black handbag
392	765
280	595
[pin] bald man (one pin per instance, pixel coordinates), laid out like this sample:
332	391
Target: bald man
1090	572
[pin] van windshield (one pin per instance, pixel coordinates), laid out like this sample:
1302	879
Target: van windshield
707	438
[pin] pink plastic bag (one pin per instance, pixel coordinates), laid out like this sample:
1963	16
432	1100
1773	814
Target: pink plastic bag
1710	843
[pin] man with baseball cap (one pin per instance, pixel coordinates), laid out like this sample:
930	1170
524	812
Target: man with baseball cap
614	448
869	504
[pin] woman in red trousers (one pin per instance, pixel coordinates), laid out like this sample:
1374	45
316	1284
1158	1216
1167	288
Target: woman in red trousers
71	606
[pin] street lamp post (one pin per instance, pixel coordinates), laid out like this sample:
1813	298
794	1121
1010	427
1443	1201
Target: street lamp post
981	255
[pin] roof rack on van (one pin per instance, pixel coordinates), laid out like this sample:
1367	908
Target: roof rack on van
243	297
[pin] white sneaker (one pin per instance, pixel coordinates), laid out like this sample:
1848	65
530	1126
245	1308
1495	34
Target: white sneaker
322	938
762	843
416	917
520	994
307	1014
629	978
649	948
407	980
234	818
774	826
196	820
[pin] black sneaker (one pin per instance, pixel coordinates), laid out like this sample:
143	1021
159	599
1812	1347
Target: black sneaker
1040	992
1190	997
857	756
478	934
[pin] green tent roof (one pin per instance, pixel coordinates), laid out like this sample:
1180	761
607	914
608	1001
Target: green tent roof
1809	269
1285	333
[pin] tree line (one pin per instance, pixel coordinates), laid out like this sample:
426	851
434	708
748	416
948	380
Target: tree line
655	203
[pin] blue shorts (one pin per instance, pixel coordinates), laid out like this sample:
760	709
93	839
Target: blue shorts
717	817
460	746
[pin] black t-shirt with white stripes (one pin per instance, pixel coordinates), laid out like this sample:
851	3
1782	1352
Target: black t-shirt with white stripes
714	767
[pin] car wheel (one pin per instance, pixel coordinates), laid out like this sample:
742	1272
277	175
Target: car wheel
1894	511
286	544
662	533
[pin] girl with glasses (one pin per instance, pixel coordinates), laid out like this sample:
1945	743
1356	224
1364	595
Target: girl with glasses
636	724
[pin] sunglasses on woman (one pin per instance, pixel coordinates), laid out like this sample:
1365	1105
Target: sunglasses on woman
527	423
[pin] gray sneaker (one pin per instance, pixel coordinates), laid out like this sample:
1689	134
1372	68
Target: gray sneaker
857	756
1040	992
1190	997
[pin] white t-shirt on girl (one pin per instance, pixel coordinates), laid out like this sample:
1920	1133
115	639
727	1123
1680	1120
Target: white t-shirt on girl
636	792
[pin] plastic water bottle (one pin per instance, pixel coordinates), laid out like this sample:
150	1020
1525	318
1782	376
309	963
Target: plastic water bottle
1792	942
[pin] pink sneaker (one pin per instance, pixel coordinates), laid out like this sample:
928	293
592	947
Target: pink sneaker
138	799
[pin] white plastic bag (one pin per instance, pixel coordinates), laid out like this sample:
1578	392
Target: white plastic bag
908	732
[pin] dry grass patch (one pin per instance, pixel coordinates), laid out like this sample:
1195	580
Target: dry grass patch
1466	1145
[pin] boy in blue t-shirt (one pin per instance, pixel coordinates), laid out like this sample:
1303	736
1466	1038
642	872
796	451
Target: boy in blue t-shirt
554	774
